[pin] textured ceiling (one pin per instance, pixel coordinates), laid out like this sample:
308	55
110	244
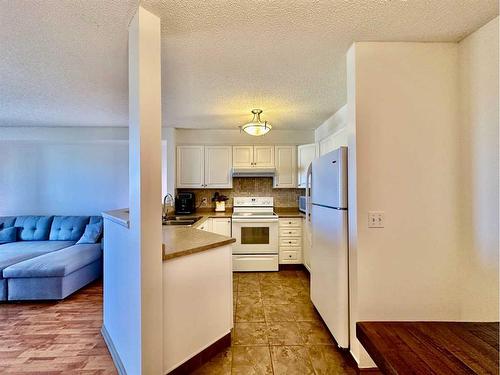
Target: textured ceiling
64	62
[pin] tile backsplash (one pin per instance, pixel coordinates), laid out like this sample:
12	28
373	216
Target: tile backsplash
248	187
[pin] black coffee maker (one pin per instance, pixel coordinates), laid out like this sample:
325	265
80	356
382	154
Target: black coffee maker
185	203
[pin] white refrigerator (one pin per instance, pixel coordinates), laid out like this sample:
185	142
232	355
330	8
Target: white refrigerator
329	252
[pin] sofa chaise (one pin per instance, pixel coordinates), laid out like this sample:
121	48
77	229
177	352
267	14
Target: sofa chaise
44	260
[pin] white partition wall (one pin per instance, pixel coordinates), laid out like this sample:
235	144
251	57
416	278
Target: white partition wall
403	159
133	303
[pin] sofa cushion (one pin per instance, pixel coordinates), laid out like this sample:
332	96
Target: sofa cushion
15	252
33	228
8	235
68	228
97	219
56	264
92	233
7	221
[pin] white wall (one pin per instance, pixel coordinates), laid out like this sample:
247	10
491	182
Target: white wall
65	178
234	137
478	62
70	170
403	100
332	134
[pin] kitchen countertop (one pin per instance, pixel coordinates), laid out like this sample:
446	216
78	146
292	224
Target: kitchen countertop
185	240
289	212
120	216
179	241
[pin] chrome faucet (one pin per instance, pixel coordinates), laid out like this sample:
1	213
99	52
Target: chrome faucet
170	199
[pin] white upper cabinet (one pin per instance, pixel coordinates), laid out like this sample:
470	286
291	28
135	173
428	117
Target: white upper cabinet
306	154
190	167
218	164
253	156
263	156
333	141
204	167
286	167
243	156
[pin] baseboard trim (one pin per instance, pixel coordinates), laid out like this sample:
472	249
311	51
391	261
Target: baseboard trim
203	357
293	267
112	350
369	370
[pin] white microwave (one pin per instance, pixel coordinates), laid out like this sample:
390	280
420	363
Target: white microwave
302	203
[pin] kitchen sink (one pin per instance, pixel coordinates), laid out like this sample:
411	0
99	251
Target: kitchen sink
181	220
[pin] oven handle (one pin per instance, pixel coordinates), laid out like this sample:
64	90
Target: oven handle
254	220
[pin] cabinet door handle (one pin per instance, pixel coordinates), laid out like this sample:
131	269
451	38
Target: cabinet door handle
289	241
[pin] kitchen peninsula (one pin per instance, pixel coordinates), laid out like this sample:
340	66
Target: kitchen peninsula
197	287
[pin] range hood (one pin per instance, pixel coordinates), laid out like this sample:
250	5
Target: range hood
254	172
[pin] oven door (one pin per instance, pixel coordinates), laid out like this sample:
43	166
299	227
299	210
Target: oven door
255	236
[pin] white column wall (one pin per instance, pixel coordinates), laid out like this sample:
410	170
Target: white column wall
145	179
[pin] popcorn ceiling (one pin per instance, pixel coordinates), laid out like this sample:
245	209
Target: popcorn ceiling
64	62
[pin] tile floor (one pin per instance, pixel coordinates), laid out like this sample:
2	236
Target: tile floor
277	330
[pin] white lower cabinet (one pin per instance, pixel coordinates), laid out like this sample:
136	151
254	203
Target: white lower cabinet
206	225
221	226
290	240
307	244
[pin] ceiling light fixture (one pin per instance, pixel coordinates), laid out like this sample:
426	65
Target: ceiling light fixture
256	127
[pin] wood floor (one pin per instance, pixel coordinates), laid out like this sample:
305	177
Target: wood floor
432	347
277	331
52	338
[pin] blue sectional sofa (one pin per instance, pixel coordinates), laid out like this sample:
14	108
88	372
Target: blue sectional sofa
44	262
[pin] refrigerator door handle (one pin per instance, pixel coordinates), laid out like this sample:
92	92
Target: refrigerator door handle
308	192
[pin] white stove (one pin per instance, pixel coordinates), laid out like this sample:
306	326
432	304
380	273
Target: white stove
255	227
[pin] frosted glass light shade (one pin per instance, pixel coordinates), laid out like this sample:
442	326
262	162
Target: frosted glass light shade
256	127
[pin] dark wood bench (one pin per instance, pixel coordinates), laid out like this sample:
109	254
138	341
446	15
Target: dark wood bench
431	347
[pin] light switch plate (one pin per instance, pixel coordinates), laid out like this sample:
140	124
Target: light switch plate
376	219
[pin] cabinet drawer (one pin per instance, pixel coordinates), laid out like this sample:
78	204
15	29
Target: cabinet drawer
253	263
290	232
285	223
291	255
290	242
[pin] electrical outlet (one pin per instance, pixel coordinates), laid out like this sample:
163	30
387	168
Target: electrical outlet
204	201
376	219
